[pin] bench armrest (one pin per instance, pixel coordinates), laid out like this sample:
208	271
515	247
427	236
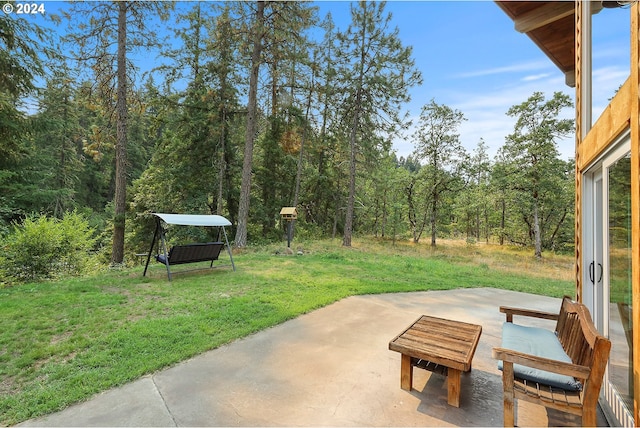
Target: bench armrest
510	312
541	363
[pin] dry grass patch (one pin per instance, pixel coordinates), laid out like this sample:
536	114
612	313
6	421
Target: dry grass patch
504	258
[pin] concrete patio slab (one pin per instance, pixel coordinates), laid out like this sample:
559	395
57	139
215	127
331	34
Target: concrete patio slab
331	367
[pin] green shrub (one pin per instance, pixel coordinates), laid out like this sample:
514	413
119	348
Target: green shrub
307	231
43	248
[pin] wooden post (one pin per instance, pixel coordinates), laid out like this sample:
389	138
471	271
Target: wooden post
635	198
578	170
453	387
406	373
508	400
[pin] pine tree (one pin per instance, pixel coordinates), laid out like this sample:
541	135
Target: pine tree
23	48
375	75
107	34
257	36
57	137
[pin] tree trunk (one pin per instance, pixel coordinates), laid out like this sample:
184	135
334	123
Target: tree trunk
247	164
502	221
296	193
222	144
117	253
557	228
412	212
536	231
351	201
434	216
348	224
384	212
486	225
222	165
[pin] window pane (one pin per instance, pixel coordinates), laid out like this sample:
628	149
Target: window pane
620	320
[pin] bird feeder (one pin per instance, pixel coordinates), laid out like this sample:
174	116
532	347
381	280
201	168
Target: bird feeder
289	214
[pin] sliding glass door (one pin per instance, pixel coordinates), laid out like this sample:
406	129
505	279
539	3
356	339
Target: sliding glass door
607	270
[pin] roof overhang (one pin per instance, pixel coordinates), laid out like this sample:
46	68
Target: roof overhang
551	26
193	219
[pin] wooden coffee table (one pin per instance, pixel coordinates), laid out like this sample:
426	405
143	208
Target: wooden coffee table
439	345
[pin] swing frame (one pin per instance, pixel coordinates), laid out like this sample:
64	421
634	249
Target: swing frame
189	253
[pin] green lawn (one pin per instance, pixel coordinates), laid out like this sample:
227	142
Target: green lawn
61	342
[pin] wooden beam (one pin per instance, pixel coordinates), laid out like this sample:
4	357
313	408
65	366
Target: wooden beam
570	78
543	15
547	13
611	123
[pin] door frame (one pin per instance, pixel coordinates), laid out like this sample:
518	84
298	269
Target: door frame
595	294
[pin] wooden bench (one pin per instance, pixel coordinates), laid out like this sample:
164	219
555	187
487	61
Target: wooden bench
191	253
539	378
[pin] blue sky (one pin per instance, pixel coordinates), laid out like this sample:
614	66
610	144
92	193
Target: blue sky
473	60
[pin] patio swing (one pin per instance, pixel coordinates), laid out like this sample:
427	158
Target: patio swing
188	253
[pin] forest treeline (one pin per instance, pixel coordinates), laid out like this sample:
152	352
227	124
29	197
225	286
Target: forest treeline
251	107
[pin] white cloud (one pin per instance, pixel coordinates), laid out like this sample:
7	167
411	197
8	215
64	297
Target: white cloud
606	82
485	106
484	95
514	68
488	120
536	77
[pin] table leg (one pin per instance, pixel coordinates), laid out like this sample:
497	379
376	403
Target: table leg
453	387
406	373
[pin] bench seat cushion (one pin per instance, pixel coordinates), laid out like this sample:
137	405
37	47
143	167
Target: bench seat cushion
541	343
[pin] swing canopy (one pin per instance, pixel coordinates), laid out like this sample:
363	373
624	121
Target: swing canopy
194	219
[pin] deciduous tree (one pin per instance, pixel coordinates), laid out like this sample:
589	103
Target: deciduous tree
438	146
533	165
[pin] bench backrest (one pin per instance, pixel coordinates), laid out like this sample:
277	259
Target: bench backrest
192	253
582	342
